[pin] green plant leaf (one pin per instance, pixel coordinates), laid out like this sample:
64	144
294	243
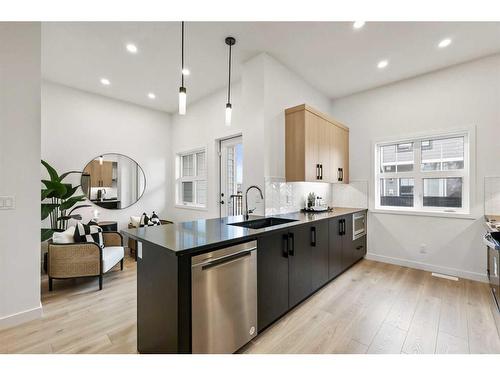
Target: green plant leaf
67	204
46	193
64	175
59	189
46	234
70	190
47	209
80	206
52	172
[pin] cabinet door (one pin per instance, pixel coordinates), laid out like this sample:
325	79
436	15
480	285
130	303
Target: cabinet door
312	129
344	160
272	277
300	267
107	173
347	243
319	253
335	248
94	170
324	150
358	249
339	156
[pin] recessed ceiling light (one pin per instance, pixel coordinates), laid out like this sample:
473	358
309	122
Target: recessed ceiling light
132	48
358	24
185	72
444	43
105	82
382	64
151	95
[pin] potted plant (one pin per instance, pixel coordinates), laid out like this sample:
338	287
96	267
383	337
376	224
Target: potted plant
58	202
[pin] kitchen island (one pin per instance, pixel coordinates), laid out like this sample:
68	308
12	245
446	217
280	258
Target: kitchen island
293	260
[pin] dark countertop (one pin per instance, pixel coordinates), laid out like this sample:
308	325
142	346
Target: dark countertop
199	235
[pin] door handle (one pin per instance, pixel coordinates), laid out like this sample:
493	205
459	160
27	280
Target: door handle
313	236
285	245
291	244
224	260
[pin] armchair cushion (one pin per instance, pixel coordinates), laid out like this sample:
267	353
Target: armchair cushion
111	255
89	233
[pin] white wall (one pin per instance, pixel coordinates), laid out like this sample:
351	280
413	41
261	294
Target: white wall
201	127
79	126
460	96
20	171
266	89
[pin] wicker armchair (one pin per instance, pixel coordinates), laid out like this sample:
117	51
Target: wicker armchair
86	259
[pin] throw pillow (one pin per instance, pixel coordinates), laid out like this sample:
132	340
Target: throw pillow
64	237
89	233
144	220
135	221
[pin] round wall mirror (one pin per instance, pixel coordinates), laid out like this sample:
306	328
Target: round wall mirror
113	181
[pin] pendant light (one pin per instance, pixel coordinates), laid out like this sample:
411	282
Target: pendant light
230	41
182	89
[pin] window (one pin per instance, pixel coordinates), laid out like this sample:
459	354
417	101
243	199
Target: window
423	174
192	179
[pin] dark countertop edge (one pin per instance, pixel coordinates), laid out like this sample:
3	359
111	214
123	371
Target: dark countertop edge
250	236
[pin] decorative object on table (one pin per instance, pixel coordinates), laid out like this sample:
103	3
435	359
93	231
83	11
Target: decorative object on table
84	259
311	199
113	181
90	232
135	222
58	202
318	209
108	226
149	221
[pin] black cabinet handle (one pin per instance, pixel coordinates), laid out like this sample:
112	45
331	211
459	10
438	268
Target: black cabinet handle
313	236
359	247
291	245
343	227
317	171
285	245
340	227
341	174
321	171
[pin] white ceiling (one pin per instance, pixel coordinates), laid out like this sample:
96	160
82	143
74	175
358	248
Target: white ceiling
331	56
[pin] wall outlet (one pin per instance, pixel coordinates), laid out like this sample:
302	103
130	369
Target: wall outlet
7	202
423	248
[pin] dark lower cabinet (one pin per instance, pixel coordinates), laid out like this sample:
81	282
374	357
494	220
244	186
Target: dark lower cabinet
300	264
294	263
272	277
319	253
347	243
335	247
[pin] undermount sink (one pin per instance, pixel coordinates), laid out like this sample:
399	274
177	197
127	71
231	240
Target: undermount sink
263	223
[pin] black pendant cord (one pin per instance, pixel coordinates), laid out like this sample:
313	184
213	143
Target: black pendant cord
182	54
229	86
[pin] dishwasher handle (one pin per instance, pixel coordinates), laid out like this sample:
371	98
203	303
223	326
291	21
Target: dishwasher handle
226	259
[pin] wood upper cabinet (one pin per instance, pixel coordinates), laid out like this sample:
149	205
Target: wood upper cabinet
100	175
316	147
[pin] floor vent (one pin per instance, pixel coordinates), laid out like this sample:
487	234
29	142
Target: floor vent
448	277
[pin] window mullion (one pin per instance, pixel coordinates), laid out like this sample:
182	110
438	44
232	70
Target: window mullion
418	181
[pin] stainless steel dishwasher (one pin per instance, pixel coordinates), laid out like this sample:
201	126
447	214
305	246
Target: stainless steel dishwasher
224	298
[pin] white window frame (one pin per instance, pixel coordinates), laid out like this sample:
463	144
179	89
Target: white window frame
418	175
180	179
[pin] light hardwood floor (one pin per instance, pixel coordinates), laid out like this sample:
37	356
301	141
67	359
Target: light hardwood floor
372	308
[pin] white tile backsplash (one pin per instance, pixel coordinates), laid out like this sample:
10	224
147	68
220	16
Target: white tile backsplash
492	195
282	197
354	194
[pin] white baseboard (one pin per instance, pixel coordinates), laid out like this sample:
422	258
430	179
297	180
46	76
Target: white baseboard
429	267
20	317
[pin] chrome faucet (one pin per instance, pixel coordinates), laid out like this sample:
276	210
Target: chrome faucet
247	211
